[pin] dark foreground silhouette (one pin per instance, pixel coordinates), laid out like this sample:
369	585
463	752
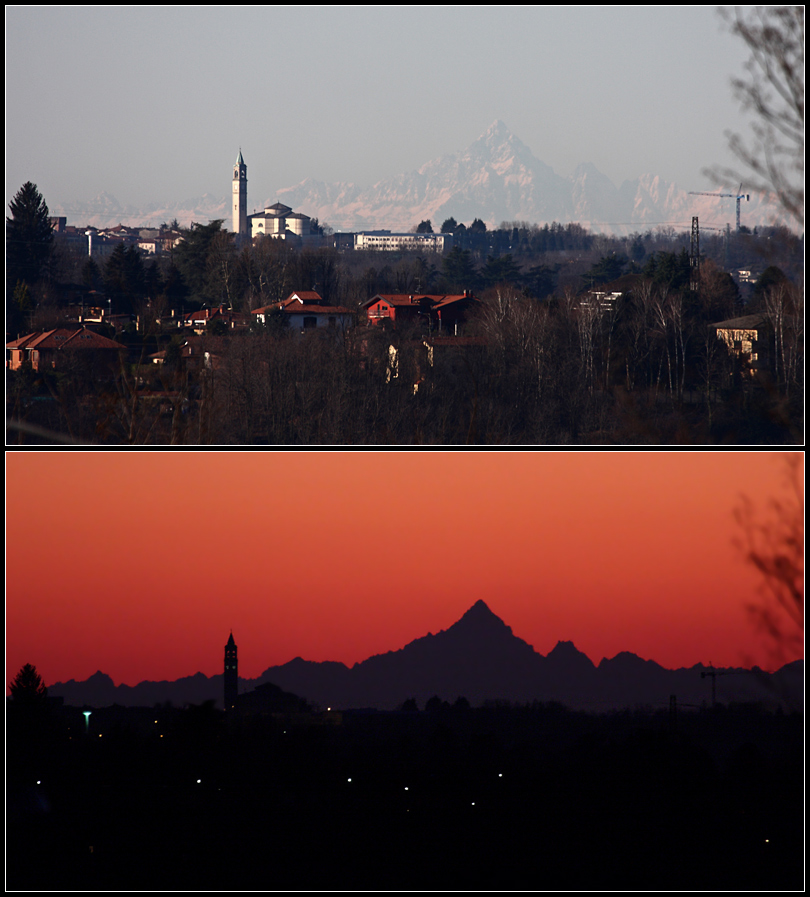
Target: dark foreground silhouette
498	797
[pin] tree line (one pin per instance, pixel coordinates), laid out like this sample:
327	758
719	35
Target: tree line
549	358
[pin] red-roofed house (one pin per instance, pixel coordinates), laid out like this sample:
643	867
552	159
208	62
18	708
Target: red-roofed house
306	310
47	349
444	312
199	320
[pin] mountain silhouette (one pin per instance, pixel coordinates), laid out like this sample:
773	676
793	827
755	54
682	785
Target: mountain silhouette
478	658
496	178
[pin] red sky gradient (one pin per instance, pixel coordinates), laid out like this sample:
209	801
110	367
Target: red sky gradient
139	564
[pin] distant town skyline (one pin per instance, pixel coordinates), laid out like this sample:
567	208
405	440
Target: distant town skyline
152	104
140	564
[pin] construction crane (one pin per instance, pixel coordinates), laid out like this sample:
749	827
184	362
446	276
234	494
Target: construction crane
739	195
712	672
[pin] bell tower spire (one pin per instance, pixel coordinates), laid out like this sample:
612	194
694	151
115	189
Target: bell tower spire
240	224
231	677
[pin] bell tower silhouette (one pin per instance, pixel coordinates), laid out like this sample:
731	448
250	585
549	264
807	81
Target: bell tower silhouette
240	223
231	677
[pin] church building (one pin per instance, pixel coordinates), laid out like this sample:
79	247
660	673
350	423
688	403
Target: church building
277	221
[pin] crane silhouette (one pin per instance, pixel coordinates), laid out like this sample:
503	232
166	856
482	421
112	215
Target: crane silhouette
712	672
739	195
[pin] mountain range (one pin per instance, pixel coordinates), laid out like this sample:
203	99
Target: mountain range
478	658
497	178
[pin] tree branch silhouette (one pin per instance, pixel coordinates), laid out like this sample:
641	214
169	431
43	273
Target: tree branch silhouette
773	89
775	548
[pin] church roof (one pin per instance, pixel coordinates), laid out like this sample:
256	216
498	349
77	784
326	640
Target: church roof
239	159
279	208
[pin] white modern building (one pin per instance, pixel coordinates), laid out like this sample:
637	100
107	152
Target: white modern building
385	240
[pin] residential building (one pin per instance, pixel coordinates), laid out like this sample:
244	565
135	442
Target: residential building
199	320
747	337
444	313
306	310
54	348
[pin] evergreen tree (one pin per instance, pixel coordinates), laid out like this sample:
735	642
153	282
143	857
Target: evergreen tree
124	278
28	687
607	269
29	236
501	270
195	260
458	268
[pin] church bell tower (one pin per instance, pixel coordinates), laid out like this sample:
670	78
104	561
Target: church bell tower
240	223
231	677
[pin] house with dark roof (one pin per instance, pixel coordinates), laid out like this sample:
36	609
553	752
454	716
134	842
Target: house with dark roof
748	338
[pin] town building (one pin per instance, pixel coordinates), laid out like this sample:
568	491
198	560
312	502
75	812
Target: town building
384	240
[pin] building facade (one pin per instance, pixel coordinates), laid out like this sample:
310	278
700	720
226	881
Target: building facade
385	240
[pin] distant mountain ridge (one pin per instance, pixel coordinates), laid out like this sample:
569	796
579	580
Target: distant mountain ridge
478	658
496	178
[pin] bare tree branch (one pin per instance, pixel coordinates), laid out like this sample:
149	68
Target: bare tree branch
775	547
773	89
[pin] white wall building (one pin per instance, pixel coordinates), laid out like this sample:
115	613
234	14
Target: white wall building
280	222
385	240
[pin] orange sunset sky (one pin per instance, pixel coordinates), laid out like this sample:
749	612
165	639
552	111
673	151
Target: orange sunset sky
139	564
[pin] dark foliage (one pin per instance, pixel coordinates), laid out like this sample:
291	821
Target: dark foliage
29	236
29	247
28	687
539	360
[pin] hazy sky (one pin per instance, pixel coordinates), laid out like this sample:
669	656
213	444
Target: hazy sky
152	104
140	563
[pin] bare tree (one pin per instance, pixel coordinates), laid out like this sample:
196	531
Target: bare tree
784	306
775	547
773	89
